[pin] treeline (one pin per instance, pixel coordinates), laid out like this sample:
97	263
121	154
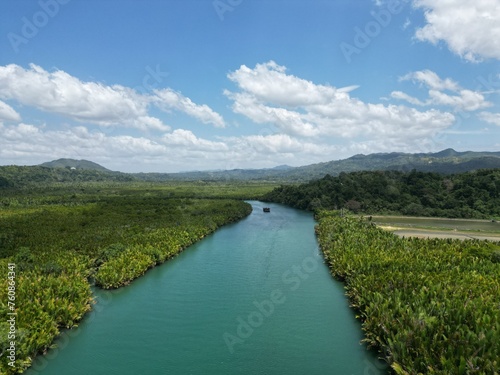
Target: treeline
63	244
429	306
467	195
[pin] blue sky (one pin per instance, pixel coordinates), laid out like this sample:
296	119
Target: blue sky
177	85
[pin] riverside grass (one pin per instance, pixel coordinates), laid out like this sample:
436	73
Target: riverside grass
431	306
62	244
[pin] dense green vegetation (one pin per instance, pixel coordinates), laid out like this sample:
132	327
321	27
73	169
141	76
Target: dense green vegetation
63	238
429	306
467	195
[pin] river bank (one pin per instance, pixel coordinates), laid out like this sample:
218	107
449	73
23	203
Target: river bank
253	297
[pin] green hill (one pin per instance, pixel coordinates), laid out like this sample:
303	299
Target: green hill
73	163
14	176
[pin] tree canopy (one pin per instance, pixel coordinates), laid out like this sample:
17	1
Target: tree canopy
466	195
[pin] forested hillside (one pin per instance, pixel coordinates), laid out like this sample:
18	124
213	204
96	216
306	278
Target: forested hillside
466	195
26	176
76	164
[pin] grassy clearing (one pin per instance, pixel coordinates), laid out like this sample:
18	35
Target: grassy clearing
425	227
438	223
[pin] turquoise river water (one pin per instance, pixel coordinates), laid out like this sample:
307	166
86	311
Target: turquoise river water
253	298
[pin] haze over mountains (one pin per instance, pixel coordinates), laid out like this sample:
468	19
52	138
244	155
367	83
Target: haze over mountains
446	161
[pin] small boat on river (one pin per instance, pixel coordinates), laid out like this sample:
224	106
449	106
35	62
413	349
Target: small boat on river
266	209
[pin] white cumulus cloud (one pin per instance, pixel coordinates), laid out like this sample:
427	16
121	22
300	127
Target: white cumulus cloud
459	99
186	139
93	102
490	117
471	29
297	107
431	80
7	113
168	99
60	93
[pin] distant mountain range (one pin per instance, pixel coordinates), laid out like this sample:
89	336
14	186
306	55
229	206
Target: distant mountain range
447	161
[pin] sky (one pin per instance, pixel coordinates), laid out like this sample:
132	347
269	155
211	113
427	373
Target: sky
183	85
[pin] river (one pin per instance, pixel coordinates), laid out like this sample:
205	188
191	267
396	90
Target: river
252	298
